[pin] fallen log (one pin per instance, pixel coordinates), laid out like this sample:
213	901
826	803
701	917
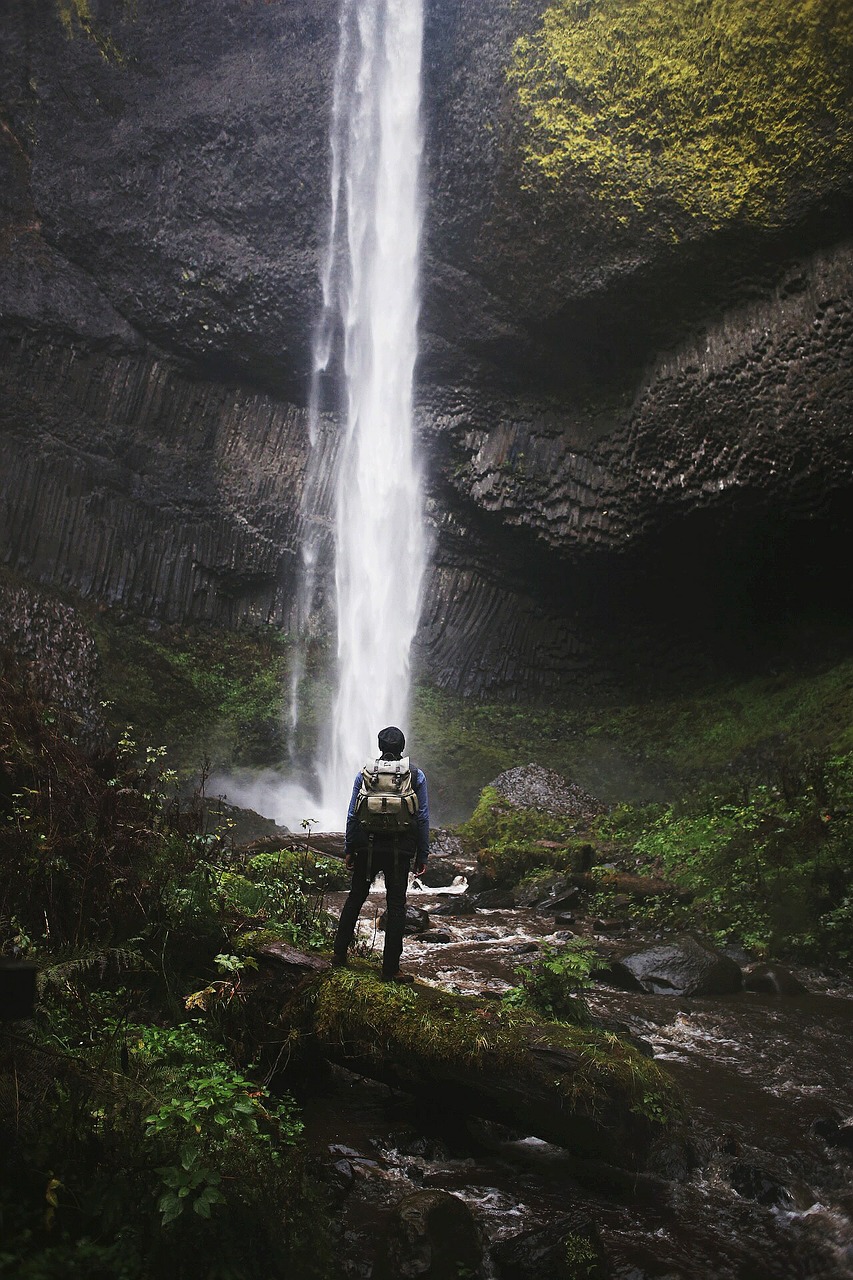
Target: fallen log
582	1088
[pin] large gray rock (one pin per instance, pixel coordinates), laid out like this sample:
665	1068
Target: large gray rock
687	967
439	872
417	920
532	786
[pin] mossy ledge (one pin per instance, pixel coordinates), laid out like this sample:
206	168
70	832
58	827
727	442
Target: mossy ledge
584	1088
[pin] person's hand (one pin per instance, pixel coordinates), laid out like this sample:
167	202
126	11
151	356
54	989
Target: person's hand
420	866
349	861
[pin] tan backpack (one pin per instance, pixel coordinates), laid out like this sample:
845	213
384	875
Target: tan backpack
387	802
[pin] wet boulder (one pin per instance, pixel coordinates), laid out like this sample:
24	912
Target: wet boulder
554	892
616	974
436	936
461	904
496	899
614	926
753	1183
417	920
431	1235
562	1250
439	873
834	1133
686	967
341	1176
772	979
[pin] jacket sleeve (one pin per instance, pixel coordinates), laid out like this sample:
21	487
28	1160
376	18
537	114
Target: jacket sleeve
423	815
353	830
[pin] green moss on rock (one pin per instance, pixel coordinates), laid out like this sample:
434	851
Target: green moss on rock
375	1020
511	842
718	110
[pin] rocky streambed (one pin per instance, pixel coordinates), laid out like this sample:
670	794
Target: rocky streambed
424	1190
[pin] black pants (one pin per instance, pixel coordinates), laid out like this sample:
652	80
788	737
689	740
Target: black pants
395	868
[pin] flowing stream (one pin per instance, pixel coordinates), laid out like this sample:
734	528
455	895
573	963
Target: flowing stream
766	1080
369	322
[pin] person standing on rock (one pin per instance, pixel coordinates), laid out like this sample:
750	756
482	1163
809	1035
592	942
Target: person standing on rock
387	828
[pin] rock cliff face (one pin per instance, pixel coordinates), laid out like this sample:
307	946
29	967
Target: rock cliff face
628	433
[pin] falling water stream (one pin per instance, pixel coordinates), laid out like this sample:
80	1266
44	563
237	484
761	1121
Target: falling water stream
370	309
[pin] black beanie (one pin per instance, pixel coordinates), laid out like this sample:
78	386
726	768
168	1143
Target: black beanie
392	741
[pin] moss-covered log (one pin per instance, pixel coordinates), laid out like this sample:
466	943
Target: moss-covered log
582	1088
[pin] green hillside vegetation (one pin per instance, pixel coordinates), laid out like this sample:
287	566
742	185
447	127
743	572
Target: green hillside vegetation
716	109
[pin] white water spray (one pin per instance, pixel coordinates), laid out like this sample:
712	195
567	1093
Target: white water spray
370	297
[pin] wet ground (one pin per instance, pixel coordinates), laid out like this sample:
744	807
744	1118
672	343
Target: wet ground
767	1081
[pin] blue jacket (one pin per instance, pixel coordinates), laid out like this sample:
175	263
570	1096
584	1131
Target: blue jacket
353	836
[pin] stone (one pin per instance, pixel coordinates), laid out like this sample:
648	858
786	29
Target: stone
496	899
608	926
417	920
754	1183
616	974
564	903
833	1132
51	642
686	967
439	873
460	904
563	1250
341	1176
772	979
431	1235
436	936
534	787
545	890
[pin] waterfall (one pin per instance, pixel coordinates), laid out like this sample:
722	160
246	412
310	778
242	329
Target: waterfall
369	284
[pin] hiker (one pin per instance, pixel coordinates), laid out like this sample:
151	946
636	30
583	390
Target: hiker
387	827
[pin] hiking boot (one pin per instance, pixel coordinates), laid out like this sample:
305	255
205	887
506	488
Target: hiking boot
405	979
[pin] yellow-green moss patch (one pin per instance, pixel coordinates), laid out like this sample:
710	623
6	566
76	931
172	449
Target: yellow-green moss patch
721	110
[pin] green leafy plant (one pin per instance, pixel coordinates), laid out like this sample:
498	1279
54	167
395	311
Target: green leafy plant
768	865
210	1106
553	984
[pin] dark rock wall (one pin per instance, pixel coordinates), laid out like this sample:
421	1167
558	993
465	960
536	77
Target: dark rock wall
757	403
600	408
144	484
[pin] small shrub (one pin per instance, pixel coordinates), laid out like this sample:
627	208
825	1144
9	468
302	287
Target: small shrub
769	865
553	984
